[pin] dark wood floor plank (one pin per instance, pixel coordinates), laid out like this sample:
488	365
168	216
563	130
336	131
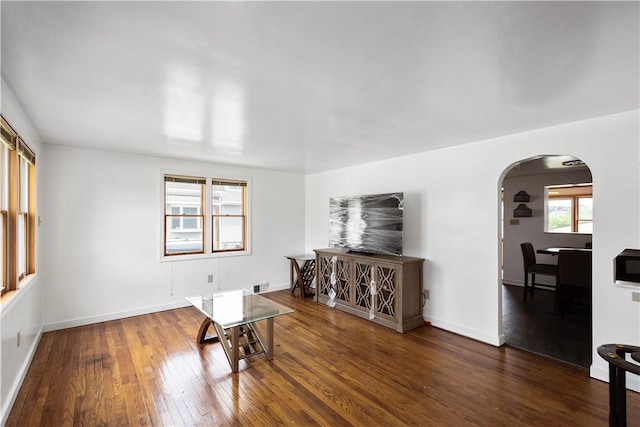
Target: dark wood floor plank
329	369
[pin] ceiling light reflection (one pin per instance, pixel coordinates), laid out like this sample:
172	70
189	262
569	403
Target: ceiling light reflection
228	118
184	104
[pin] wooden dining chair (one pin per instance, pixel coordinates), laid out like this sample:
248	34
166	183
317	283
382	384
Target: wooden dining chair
531	267
573	284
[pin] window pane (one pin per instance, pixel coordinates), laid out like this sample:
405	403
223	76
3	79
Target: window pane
228	233
22	245
4	177
231	210
228	200
175	221
585	226
4	207
180	195
560	216
181	241
585	208
24	185
3	283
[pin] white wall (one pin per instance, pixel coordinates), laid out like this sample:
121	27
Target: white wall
21	311
452	219
103	235
532	229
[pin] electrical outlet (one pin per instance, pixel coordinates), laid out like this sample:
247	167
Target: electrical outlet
210	278
256	288
18	340
635	296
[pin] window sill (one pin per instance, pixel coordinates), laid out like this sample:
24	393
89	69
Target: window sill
25	282
561	233
10	297
203	256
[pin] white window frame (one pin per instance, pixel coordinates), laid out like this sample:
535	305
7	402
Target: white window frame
207	237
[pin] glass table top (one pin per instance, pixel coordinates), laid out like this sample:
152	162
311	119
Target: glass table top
239	307
303	257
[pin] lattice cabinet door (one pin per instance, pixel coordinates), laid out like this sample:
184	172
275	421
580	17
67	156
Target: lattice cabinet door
388	292
342	286
324	276
363	274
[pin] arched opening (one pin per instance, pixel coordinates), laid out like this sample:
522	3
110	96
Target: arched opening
546	201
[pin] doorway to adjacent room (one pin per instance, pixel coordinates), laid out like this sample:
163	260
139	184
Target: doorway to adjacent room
532	211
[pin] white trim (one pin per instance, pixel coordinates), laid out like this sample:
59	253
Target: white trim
114	316
602	374
280	287
131	313
19	379
495	340
11	298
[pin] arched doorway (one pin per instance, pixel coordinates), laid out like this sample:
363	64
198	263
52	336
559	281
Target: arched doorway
557	213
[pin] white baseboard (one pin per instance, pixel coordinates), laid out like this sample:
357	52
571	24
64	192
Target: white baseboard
494	340
513	283
113	316
280	287
602	374
130	313
17	383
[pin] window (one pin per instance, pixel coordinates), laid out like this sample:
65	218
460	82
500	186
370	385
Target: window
570	208
17	208
194	205
229	217
183	197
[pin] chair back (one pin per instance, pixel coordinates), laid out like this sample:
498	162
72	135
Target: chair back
528	255
574	268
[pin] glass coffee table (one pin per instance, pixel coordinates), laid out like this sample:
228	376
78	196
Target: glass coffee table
233	315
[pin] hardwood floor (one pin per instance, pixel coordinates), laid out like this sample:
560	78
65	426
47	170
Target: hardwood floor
330	368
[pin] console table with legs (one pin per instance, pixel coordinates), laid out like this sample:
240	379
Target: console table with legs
302	270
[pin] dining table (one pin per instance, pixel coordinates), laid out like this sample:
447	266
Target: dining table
554	250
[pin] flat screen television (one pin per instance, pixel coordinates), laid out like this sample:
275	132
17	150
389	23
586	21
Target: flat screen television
370	224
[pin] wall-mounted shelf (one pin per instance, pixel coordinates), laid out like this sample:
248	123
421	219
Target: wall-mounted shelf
522	211
521	197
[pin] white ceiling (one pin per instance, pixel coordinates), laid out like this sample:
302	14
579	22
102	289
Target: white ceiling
313	86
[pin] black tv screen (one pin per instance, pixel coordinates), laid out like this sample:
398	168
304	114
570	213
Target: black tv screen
369	223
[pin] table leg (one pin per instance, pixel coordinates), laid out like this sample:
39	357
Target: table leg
269	349
617	397
202	332
235	344
231	341
292	284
